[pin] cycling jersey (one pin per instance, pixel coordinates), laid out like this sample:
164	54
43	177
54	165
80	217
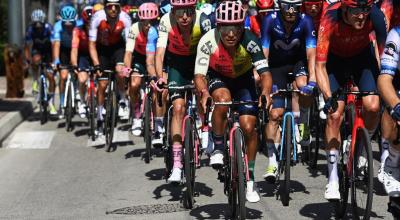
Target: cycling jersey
39	38
343	40
80	40
172	39
105	33
139	43
62	35
212	54
390	57
285	47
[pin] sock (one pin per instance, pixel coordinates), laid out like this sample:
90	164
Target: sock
385	149
62	100
304	115
332	158
177	154
99	113
296	117
272	150
218	142
51	98
251	169
393	160
159	124
138	114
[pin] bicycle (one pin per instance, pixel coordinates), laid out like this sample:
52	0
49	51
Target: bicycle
192	149
355	166
235	171
111	109
91	102
316	125
288	152
69	99
43	94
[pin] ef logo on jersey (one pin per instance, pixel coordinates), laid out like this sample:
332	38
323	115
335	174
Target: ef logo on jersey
253	47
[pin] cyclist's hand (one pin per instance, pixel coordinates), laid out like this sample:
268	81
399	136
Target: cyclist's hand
330	106
76	69
160	84
55	64
395	112
309	88
97	70
204	97
268	99
126	72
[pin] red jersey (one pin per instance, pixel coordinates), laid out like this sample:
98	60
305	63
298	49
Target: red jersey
80	40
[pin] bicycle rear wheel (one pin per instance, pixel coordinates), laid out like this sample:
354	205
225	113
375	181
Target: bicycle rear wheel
189	164
362	176
92	114
147	128
43	103
238	177
68	109
288	146
316	131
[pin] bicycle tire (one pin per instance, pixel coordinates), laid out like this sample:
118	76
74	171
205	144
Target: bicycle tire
288	146
167	146
68	109
110	116
189	164
362	175
314	147
238	176
43	103
147	129
92	114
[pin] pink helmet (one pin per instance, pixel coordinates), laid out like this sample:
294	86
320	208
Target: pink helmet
230	12
148	11
180	3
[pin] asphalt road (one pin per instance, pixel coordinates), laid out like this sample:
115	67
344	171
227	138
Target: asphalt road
48	173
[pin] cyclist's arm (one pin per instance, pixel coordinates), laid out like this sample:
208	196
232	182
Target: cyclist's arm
159	59
162	41
151	45
75	47
129	47
56	51
311	64
93	53
387	91
27	51
55	39
266	34
311	44
204	50
325	30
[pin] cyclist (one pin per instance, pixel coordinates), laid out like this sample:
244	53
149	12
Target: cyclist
344	49
62	42
179	33
37	49
389	85
313	8
106	49
80	58
227	55
289	43
140	48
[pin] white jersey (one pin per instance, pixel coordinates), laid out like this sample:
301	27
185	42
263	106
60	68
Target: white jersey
390	56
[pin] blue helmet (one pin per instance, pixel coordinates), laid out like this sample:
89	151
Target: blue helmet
68	13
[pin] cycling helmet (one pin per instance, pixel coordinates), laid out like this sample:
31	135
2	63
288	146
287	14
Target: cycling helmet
265	4
97	7
230	12
358	3
180	3
38	15
115	2
68	13
291	2
148	11
87	13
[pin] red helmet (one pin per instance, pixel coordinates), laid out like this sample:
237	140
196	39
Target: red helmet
358	3
265	4
87	13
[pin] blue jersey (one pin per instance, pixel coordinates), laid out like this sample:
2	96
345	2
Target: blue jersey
287	48
39	37
62	35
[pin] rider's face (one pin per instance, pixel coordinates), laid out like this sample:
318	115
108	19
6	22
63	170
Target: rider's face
113	10
146	24
184	16
357	17
290	12
230	34
313	8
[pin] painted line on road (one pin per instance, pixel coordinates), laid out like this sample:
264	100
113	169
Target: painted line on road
31	140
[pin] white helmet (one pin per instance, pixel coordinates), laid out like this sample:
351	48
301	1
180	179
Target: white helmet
38	15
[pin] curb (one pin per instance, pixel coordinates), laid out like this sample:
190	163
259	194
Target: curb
13	118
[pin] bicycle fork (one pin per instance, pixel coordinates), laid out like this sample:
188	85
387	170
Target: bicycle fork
69	85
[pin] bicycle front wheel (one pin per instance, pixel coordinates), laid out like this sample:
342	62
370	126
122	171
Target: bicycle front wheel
238	175
147	128
110	116
68	109
43	103
189	165
92	113
362	176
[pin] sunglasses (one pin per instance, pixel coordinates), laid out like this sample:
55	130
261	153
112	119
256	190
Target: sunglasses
226	29
181	11
290	7
359	10
111	6
310	4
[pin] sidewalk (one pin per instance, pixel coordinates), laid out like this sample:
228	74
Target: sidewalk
14	111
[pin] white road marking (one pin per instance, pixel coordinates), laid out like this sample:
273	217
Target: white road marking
31	140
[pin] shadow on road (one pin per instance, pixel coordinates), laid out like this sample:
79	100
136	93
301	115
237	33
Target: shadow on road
176	190
320	169
156	174
268	188
221	211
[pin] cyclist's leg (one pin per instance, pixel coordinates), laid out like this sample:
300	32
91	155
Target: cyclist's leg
118	58
105	64
280	79
36	60
159	115
65	59
83	64
134	93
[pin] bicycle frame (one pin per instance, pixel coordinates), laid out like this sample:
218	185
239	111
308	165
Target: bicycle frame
43	81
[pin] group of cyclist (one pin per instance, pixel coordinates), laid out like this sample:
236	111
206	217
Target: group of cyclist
234	50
